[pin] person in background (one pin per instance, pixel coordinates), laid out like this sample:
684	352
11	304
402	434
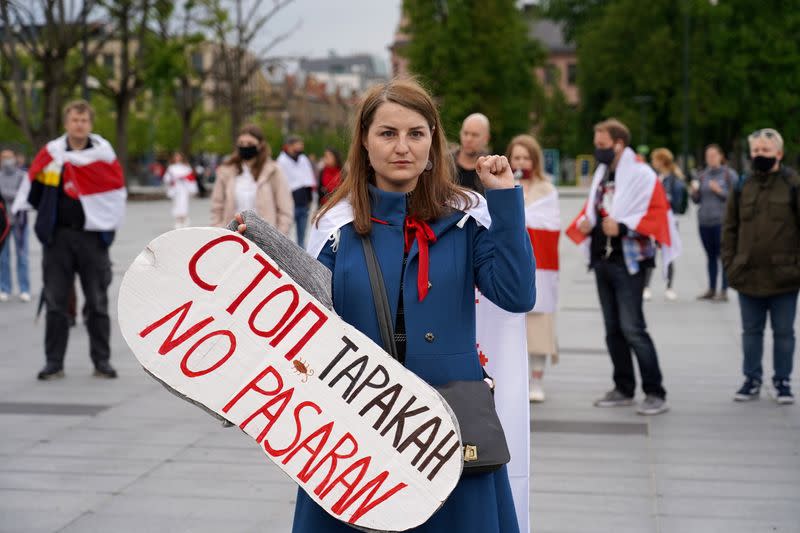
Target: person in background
250	179
474	137
671	176
78	190
330	174
710	191
12	180
542	217
181	184
300	175
626	210
761	255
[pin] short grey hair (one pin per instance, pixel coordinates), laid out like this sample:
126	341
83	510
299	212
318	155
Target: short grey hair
769	134
480	117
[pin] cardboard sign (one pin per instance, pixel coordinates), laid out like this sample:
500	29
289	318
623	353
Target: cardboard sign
214	318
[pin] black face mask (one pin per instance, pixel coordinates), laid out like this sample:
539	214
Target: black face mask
604	155
247	152
763	164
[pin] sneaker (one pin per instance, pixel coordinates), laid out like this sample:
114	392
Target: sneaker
652	405
614	398
750	390
104	370
647	294
721	297
25	297
708	295
536	391
783	393
3	296
50	371
670	295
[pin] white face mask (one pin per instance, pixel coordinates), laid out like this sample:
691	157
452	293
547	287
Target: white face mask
8	163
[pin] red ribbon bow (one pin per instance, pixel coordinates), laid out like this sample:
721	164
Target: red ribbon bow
422	232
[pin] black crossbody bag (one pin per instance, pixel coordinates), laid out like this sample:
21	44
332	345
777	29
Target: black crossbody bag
484	442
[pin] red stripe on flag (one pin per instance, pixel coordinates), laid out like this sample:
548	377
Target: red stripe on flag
41	160
545	248
572	230
655	222
96	177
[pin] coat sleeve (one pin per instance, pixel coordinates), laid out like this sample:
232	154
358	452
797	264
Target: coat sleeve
504	265
730	229
284	204
218	202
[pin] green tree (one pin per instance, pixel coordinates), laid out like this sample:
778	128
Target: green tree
475	56
742	67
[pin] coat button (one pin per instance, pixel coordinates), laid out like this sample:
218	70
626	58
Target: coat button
429	337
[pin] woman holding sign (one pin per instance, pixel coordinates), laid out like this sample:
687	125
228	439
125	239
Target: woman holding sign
434	242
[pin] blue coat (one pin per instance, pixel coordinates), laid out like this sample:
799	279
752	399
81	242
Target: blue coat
441	329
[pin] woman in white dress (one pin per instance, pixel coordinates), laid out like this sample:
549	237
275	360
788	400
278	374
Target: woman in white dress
181	184
542	217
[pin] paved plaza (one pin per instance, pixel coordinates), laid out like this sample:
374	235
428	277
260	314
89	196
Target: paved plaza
83	454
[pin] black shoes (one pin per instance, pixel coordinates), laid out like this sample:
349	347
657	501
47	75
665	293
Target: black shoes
102	369
50	371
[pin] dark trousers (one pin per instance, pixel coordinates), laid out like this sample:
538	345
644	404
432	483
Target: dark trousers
621	300
782	309
83	253
711	236
648	275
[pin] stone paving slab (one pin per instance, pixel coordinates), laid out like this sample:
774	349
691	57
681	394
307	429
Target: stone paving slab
149	462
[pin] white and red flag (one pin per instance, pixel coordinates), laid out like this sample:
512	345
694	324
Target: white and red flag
92	176
543	219
639	202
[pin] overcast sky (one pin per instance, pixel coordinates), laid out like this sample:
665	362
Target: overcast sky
346	26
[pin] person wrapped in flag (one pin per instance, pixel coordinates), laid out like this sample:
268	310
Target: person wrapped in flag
626	211
78	188
181	184
542	217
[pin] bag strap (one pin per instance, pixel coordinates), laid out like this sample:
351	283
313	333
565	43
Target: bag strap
379	298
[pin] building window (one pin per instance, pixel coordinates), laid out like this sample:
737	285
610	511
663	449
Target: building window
197	61
572	74
108	61
552	74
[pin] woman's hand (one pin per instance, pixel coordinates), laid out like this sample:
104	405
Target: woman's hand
495	172
242	226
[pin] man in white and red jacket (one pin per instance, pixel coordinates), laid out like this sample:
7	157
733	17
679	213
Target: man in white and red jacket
78	189
626	211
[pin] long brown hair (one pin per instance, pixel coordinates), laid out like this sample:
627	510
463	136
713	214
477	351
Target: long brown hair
435	188
666	161
264	151
531	145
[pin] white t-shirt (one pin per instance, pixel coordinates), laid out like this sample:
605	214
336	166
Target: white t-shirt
245	190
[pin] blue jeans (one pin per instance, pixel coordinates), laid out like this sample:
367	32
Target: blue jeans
711	237
782	309
621	300
19	234
301	221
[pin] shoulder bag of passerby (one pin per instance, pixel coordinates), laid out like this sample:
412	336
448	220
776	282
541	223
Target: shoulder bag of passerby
484	443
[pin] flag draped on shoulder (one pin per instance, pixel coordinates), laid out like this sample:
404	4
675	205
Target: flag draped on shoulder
93	176
640	203
543	219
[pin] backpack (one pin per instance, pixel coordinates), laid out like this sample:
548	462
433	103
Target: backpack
679	196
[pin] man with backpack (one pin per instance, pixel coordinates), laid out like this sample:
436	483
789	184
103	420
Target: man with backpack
761	256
